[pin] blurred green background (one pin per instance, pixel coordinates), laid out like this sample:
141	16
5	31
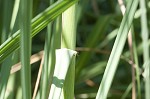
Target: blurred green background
97	25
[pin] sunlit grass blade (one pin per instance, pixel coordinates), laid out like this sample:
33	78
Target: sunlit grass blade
133	57
69	28
64	59
68	37
146	50
38	23
25	42
117	50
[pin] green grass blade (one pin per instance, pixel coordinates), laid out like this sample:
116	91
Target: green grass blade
53	39
25	30
117	50
69	28
137	68
48	48
38	23
146	56
133	56
69	24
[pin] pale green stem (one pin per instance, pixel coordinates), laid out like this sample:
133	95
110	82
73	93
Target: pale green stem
25	29
146	58
69	41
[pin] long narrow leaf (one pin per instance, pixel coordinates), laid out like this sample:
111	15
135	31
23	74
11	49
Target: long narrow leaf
69	41
25	30
53	39
117	50
146	56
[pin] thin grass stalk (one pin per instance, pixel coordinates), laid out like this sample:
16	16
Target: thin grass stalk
53	39
53	43
146	57
56	44
44	80
38	23
34	58
134	58
130	44
136	66
117	50
38	78
25	28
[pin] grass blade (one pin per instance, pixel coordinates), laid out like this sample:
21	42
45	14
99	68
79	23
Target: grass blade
117	50
133	56
69	24
53	40
25	30
146	57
